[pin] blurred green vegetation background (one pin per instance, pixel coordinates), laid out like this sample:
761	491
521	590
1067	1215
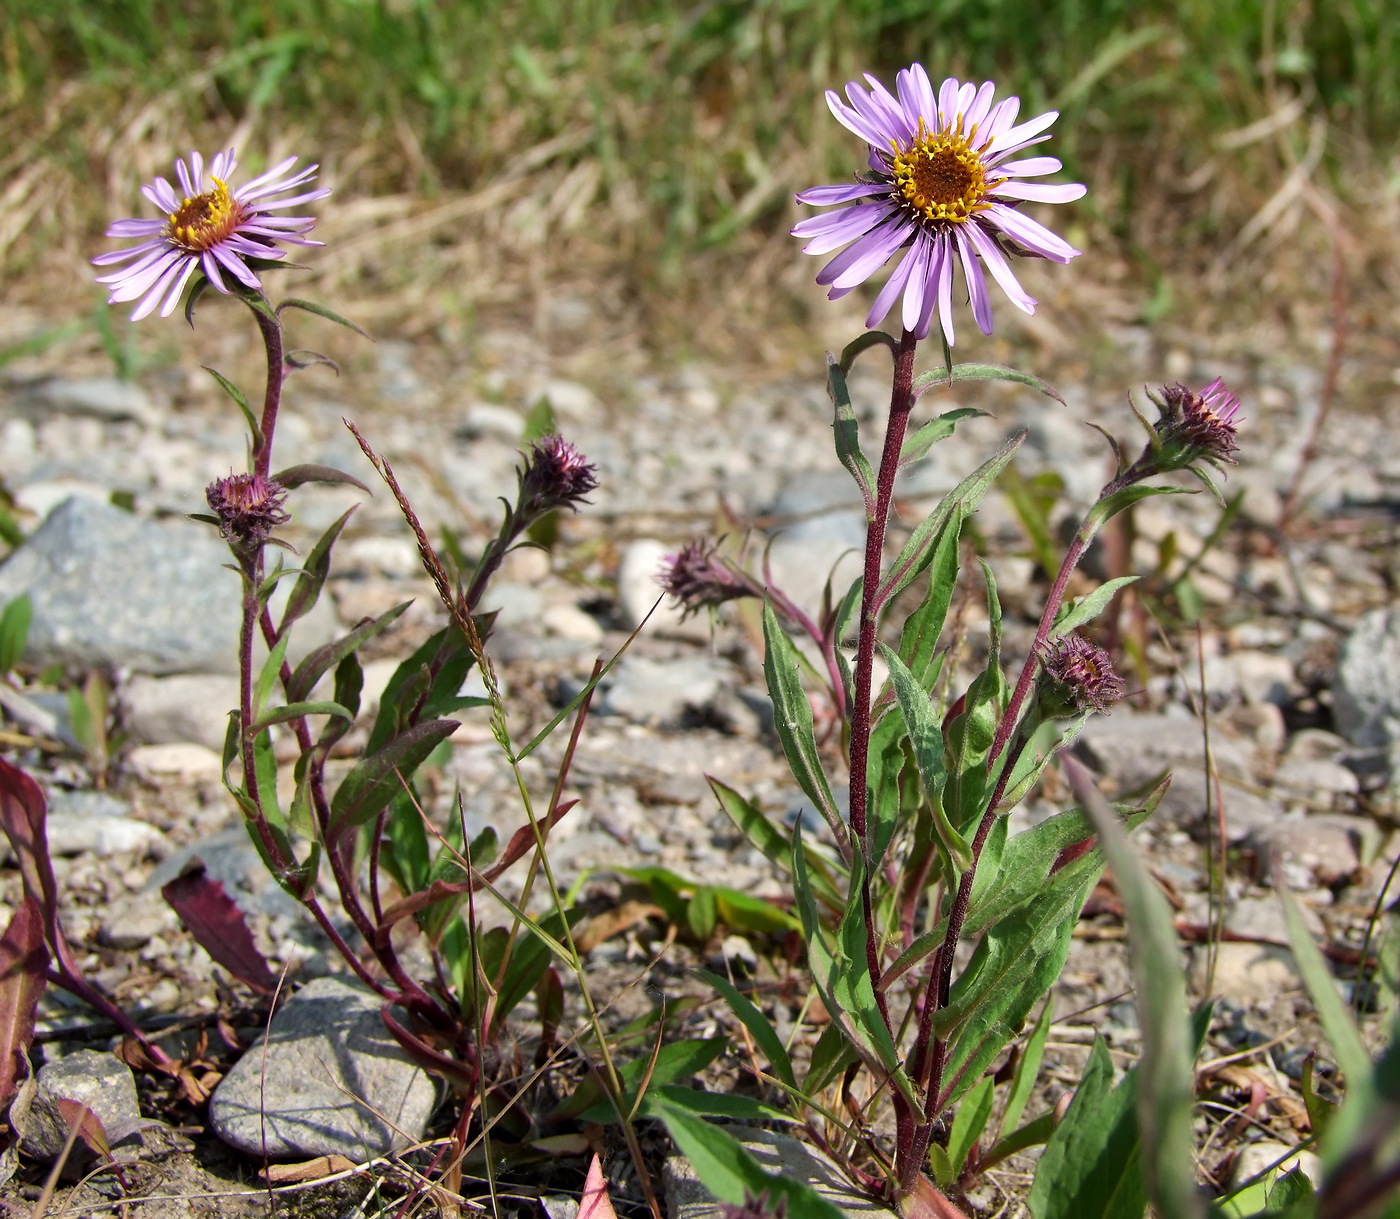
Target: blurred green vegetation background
668	136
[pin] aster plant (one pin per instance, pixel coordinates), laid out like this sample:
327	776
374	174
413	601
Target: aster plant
933	932
368	837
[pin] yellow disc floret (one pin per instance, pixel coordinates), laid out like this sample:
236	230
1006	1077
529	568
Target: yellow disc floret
205	220
941	175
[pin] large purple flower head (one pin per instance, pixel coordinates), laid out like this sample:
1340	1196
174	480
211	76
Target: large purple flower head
943	189
215	230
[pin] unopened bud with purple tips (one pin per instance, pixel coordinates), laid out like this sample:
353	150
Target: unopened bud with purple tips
556	475
1191	426
249	507
1078	676
697	577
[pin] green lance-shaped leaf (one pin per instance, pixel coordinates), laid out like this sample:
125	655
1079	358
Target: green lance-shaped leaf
730	1172
927	741
918	641
268	675
891	799
774	843
1111	506
968	1124
920	442
323	659
1167	1084
1092	1166
14	631
242	400
792	717
847	431
294	302
676	1060
349	685
299	475
917	551
378	778
1086	608
970	734
292	711
983	372
314	571
763	1033
1027	1068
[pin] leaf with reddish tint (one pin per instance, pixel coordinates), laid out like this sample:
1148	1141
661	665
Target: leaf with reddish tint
456	1073
23	813
83	1123
24	959
216	922
595	1203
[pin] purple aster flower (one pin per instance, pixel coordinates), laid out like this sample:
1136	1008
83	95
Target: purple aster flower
942	189
697	577
1083	676
556	475
249	508
218	231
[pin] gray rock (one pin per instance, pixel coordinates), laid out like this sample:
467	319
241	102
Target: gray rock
185	707
1262	917
112	590
97	1080
1191	803
779	1155
230	858
76	834
132	922
1324	850
332	1080
661	692
1366	688
821	535
1134	749
495	420
95	397
1256	1157
1250	973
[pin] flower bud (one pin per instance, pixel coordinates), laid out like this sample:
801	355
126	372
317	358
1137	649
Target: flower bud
1077	676
249	508
697	577
556	475
1191	427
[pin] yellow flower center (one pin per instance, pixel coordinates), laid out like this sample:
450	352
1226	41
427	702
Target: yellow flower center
205	220
941	175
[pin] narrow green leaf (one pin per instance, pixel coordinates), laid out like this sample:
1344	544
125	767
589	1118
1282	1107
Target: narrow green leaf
968	1124
700	913
293	302
1334	1015
984	372
1032	505
1168	1080
1033	1134
918	641
328	656
830	1057
296	476
729	1171
792	717
317	567
917	445
268	675
1088	607
1108	508
241	399
1027	1068
378	778
847	431
1092	1166
292	711
751	822
731	1106
14	631
769	1043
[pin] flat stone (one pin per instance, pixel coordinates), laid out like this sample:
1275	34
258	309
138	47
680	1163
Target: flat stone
778	1155
1328	849
92	1078
1251	973
1133	749
95	397
655	692
1366	686
332	1081
821	535
185	707
78	833
1185	804
1256	1157
179	760
111	590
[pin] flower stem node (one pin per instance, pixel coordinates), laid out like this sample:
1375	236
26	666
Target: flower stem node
249	507
1077	677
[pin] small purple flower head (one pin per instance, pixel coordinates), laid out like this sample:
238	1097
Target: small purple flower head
556	475
219	231
1081	676
697	578
1206	422
945	185
755	1208
249	508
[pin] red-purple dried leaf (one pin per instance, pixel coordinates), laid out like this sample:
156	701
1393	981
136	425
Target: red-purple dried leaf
216	922
88	1125
24	959
23	813
595	1203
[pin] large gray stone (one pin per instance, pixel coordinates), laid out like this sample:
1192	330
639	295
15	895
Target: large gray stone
332	1081
1133	749
89	1077
820	524
112	590
1366	689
